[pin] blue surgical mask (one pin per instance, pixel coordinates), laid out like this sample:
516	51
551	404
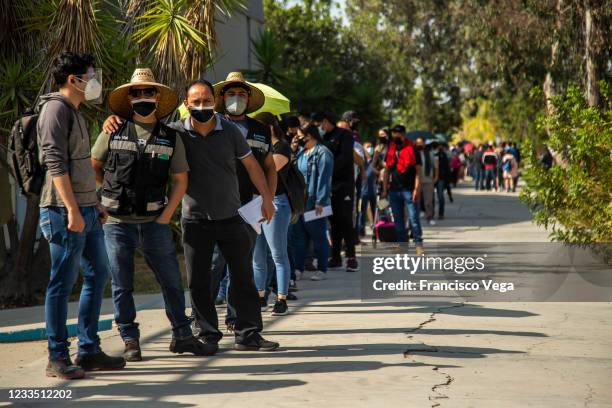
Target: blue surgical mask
370	151
322	131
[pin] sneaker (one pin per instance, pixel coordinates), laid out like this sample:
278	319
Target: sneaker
318	276
432	222
292	286
99	362
419	250
334	263
64	369
193	345
280	308
263	303
256	343
132	351
352	265
298	275
291	296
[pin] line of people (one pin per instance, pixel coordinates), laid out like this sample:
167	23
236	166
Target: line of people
100	204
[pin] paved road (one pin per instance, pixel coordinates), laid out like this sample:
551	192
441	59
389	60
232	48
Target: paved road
340	352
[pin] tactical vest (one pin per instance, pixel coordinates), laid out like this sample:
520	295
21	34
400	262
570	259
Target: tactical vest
135	176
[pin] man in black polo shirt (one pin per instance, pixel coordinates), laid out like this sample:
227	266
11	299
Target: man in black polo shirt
340	142
210	217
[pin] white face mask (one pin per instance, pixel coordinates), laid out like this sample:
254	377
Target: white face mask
93	89
235	105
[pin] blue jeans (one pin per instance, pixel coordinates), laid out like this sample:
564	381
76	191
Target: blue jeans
479	178
368	199
315	231
159	251
274	235
399	200
68	251
222	293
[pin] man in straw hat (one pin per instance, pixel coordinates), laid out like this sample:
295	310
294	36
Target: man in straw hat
134	165
235	98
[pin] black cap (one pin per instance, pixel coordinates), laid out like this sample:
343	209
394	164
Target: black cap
350	116
399	128
319	116
292	121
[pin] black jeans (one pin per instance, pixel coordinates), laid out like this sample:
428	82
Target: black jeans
342	227
233	238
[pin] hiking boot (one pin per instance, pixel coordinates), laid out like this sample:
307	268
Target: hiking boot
64	369
194	346
132	351
256	343
334	263
352	265
280	308
318	276
99	362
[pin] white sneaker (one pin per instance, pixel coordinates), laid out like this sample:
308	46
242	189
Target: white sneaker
298	275
432	222
318	276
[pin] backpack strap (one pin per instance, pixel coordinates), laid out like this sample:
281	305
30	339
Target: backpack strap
70	123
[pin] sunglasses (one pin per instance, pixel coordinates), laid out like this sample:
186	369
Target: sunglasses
144	92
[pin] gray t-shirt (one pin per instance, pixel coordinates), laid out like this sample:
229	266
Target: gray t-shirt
213	185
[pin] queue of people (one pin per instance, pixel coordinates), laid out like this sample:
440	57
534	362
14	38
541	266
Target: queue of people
99	205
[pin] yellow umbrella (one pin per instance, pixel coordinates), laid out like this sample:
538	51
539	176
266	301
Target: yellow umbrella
276	103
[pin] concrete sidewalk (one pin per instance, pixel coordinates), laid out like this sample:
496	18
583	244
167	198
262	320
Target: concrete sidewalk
340	352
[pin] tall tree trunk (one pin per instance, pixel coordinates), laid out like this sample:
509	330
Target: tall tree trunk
549	85
590	35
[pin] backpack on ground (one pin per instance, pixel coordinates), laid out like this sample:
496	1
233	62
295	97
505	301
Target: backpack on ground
296	191
22	156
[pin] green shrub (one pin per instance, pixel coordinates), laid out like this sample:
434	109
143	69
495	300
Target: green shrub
573	199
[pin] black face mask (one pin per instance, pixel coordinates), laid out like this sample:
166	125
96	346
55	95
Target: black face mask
202	115
302	142
383	140
399	141
144	108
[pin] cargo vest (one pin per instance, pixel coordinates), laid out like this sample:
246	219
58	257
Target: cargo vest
136	176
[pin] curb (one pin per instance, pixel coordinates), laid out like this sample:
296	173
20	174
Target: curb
40	333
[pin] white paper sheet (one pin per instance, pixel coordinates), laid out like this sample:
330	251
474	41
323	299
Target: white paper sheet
311	215
251	213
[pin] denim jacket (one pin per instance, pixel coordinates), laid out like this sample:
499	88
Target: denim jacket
319	165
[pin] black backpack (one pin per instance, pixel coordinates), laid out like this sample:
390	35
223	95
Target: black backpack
22	157
296	191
